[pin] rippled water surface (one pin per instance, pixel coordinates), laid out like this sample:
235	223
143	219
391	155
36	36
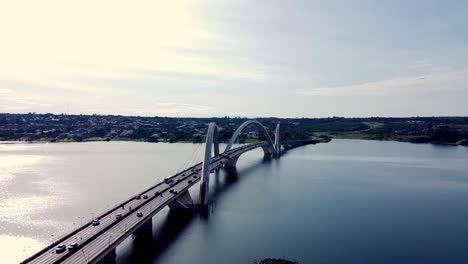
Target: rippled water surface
343	202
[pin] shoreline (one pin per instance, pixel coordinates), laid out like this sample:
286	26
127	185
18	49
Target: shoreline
223	142
412	140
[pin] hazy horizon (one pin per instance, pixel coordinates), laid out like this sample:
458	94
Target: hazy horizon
248	117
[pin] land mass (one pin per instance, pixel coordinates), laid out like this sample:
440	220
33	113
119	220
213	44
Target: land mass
34	127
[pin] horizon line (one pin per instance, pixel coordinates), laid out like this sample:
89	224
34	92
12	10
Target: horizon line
232	117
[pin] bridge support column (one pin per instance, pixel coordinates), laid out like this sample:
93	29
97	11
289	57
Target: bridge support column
146	228
268	151
231	163
109	258
183	201
204	190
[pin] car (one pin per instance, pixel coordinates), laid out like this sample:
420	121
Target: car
157	194
173	191
60	248
140	214
190	181
145	196
118	216
138	197
167	180
195	176
95	222
73	246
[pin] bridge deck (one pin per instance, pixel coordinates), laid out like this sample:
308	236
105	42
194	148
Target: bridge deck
95	242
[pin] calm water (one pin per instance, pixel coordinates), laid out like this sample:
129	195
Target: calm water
342	202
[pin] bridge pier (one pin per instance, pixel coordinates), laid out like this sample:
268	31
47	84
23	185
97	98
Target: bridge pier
110	258
267	150
204	189
231	163
146	228
183	201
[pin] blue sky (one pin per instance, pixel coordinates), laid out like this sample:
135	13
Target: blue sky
235	57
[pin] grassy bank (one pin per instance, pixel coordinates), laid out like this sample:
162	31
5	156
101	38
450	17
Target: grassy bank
275	261
398	138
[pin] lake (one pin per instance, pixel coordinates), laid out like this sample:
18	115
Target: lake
347	201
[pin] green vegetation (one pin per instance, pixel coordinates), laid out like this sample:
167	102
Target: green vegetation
78	128
275	261
44	139
66	140
183	141
96	139
252	141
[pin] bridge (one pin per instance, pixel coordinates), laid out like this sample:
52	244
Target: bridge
96	241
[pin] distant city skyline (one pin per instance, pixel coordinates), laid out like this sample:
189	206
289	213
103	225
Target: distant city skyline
235	58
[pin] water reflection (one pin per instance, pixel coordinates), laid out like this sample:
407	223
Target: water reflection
149	245
10	246
329	203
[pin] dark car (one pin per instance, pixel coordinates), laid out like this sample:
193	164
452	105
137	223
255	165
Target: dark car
95	222
140	214
138	197
167	180
60	248
145	196
118	216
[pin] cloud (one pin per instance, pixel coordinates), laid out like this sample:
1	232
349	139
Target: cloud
451	80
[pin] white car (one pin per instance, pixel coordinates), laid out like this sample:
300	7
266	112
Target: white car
73	246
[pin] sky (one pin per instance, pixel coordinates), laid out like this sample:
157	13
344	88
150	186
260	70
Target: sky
235	57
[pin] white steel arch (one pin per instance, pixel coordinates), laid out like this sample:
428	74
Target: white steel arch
211	139
242	127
